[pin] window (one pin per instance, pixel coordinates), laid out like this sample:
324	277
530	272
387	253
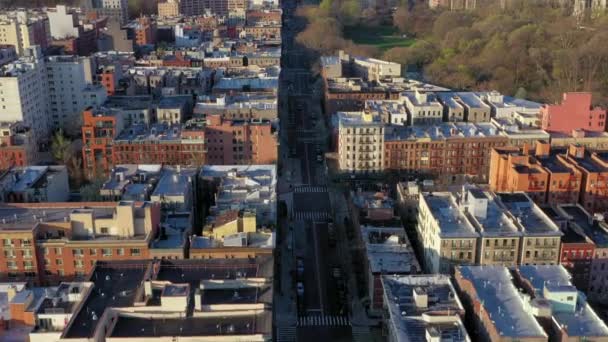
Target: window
57	251
78	252
120	251
104	230
11	265
27	253
135	252
9	254
28	265
58	262
106	252
93	251
78	264
7	242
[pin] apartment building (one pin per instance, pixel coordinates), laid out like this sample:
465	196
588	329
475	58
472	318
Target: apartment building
573	113
570	314
98	133
218	7
387	251
173	109
480	228
423	108
592	272
540	244
63	22
24	29
390	111
449	153
145	31
168	9
471	107
360	142
7	54
446	236
372	69
50	242
24	94
238	107
545	174
423	305
116	9
17	145
578	248
35	184
70	91
498	310
249	188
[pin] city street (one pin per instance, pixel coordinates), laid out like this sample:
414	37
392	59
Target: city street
307	259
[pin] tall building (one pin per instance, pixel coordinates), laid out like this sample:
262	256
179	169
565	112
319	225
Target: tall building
360	142
71	90
24	30
24	93
575	112
63	22
218	7
169	8
116	9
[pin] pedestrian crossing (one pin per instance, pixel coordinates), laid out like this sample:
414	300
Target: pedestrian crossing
312	321
361	333
309	189
311	215
286	334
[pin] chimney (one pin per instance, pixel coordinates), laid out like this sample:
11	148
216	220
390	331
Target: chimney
525	150
543	148
576	151
421	298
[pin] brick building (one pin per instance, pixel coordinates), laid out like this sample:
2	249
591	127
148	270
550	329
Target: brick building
575	112
49	242
451	152
145	31
107	142
546	175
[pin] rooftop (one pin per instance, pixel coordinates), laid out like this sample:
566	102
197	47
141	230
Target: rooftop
405	313
450	220
359	118
115	285
27	177
580	218
528	215
389	250
441	132
489	218
240	324
502	301
583	321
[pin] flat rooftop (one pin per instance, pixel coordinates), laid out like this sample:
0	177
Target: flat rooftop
442	131
579	217
236	325
533	220
115	285
389	250
405	315
584	322
193	270
243	295
174	181
451	221
359	118
502	301
495	222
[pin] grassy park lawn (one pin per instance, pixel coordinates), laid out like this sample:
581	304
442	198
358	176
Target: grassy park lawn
382	37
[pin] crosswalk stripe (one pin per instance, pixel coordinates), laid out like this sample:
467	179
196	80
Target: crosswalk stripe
323	321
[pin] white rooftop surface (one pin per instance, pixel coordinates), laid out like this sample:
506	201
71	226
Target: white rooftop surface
406	316
442	131
174	182
262	174
583	322
431	99
502	301
388	250
451	221
529	216
496	222
357	119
